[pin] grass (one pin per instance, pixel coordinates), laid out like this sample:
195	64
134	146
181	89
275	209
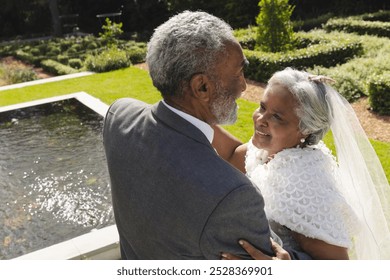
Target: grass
136	83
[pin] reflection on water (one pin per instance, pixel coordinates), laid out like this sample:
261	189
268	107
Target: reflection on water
54	184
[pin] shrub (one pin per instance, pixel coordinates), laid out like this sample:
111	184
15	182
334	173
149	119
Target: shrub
351	25
108	60
57	68
65	44
27	57
136	52
71	47
111	31
14	74
275	30
6	49
75	63
74	49
379	93
381	15
63	58
246	37
352	77
309	24
332	50
33	51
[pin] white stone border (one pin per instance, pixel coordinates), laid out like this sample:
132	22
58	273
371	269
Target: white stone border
46	80
102	244
88	100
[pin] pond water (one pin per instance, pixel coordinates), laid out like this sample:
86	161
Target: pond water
54	183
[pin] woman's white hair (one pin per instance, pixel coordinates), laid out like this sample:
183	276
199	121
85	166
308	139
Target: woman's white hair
313	110
187	44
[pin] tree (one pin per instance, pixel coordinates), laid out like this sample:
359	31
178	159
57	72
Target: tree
55	17
112	31
275	31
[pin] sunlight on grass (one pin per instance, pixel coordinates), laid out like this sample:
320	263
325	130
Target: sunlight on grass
136	83
109	86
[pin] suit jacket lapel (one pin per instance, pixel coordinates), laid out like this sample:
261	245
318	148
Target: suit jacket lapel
179	124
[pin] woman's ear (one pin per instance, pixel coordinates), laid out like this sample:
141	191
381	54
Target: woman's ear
200	86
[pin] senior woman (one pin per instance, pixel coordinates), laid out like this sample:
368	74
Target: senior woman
329	208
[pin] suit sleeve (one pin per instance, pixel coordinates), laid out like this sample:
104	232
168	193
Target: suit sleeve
240	215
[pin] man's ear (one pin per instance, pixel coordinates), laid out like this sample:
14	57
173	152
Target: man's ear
200	86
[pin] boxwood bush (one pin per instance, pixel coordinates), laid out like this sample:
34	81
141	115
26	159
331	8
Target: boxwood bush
71	50
57	68
382	15
135	51
15	74
379	93
321	49
362	27
352	77
108	60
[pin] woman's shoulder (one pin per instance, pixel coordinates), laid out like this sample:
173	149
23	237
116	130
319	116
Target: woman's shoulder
311	157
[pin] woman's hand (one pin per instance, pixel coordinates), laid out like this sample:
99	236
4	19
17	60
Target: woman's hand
256	254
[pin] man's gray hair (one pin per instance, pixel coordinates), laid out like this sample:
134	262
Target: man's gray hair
313	110
187	44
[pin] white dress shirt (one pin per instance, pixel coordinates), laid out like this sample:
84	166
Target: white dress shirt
201	125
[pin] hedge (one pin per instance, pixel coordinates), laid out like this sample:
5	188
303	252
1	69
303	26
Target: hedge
381	15
359	26
57	68
379	93
322	51
71	51
108	60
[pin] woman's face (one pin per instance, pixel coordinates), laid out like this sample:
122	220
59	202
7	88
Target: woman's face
275	121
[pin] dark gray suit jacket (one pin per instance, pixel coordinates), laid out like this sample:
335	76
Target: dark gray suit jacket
173	196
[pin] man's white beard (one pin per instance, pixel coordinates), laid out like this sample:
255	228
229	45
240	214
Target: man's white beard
224	108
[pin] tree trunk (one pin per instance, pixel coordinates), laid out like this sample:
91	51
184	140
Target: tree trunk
55	17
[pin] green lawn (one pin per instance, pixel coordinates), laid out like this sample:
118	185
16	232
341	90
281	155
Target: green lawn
134	82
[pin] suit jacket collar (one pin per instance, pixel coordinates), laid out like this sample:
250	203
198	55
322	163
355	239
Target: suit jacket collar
178	123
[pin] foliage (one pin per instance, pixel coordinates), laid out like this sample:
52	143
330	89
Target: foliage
28	57
111	33
135	51
237	13
379	93
275	30
312	23
321	50
34	18
381	15
359	26
75	63
352	77
71	51
108	60
56	68
14	74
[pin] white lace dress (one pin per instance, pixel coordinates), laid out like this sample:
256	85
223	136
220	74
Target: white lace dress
299	186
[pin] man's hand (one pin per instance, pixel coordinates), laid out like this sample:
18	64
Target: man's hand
256	254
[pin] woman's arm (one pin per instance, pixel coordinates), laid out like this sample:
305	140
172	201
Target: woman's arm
319	249
229	148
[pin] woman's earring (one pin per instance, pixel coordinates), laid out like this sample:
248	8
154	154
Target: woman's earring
303	140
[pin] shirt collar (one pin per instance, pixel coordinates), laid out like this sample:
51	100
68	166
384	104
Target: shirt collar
201	125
